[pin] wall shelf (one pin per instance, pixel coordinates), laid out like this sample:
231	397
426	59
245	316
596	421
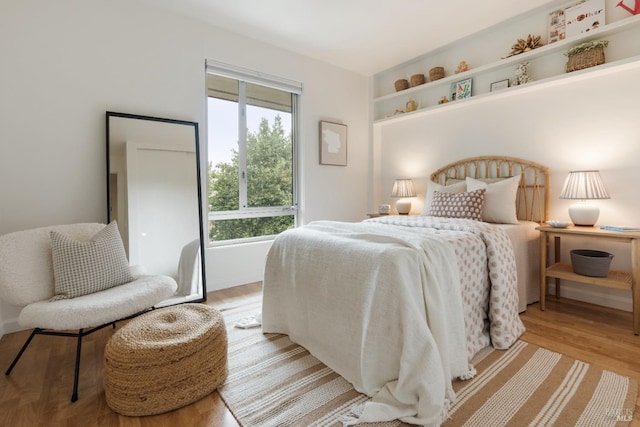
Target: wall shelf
624	29
608	68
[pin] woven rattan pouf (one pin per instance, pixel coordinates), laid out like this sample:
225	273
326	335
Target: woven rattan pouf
165	359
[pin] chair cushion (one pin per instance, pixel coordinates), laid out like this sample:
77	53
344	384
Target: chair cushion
98	308
26	272
83	267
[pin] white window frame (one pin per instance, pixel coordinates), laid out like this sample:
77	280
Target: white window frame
249	76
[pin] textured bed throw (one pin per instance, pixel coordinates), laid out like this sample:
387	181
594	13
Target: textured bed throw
379	305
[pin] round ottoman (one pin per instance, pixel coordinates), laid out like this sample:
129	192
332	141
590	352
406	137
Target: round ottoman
165	359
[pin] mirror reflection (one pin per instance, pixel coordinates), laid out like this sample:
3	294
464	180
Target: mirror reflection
154	195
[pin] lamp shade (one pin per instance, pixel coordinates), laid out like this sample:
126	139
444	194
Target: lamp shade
584	185
403	188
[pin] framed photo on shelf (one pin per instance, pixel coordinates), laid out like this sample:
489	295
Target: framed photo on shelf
333	144
584	17
556	26
502	84
461	89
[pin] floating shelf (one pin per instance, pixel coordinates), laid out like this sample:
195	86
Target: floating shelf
627	24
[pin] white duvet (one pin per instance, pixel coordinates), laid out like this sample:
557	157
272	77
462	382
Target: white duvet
381	305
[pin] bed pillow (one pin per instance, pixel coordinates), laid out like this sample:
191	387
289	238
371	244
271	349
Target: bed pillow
467	205
85	267
499	200
432	187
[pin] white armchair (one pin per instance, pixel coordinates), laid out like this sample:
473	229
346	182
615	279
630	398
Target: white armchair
73	277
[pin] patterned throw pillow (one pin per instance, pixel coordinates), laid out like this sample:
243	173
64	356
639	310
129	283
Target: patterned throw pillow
467	205
86	267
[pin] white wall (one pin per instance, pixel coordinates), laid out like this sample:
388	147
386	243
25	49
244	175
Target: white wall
65	63
582	123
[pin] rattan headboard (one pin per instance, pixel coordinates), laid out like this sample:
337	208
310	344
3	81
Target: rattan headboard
532	200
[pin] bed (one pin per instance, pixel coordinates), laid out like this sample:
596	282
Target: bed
399	305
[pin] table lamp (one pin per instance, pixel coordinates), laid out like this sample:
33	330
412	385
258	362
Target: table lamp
583	186
403	188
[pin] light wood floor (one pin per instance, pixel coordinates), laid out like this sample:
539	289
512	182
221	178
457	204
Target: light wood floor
37	392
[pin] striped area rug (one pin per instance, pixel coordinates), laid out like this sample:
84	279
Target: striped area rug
274	382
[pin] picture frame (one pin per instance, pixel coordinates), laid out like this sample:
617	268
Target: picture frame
584	17
461	89
556	27
500	84
333	143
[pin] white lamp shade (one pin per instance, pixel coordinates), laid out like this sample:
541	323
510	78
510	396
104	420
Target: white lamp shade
403	188
584	185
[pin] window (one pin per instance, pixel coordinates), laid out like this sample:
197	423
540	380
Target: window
251	125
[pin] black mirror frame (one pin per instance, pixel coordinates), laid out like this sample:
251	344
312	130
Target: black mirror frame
110	114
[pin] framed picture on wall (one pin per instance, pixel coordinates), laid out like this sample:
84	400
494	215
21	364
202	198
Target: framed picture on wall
333	144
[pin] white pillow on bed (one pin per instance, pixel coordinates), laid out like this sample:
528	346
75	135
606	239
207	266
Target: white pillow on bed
458	187
499	199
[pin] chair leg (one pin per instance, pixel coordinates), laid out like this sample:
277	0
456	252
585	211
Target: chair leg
74	396
24	347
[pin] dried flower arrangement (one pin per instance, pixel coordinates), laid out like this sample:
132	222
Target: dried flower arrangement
531	42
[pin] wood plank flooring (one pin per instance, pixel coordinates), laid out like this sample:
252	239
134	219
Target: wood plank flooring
37	393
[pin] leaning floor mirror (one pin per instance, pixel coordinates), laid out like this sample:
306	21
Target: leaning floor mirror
154	194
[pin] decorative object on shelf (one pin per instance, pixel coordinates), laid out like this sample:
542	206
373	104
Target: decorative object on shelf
384	209
462	67
333	144
461	89
410	106
587	262
417	80
525	45
558	224
436	73
522	74
634	11
584	185
443	100
401	84
502	84
586	55
556	27
584	17
403	188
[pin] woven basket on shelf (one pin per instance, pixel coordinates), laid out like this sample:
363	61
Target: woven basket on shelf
417	80
436	73
401	84
585	59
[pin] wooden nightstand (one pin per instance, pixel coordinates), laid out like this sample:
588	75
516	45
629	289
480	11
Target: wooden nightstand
616	279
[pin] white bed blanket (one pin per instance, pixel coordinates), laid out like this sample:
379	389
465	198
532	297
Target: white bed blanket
505	324
385	313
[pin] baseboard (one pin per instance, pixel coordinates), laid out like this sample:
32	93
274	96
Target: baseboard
9	326
612	298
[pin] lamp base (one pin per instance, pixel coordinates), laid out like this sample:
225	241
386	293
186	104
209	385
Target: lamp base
584	214
403	206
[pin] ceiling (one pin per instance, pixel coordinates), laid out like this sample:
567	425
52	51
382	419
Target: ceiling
364	36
